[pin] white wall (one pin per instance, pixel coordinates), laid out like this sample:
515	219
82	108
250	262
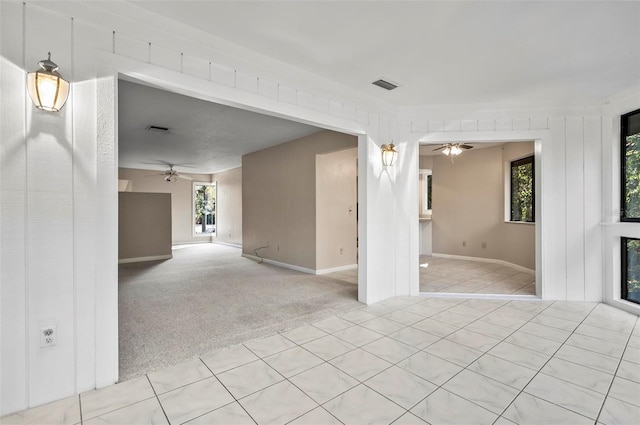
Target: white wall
568	145
59	172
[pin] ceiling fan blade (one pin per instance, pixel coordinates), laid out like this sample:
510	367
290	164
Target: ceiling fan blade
441	147
463	146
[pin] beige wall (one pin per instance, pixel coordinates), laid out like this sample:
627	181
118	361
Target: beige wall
144	225
229	206
336	201
229	202
519	246
468	205
279	198
181	199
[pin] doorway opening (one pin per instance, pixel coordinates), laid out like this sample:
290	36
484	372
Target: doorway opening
477	219
258	221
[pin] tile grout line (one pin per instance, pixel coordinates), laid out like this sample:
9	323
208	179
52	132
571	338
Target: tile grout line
503	340
236	400
542	367
80	408
465	367
157	398
360	382
615	375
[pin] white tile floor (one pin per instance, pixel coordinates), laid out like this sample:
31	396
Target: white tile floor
449	275
403	361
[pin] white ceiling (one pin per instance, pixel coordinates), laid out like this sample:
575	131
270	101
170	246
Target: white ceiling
204	137
519	52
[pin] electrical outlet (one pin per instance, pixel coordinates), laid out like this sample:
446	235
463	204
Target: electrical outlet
484	245
464	243
48	336
341	251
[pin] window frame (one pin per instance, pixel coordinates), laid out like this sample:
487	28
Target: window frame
624	124
517	162
193	209
624	253
424	211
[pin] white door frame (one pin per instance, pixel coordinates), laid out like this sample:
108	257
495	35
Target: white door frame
540	139
110	67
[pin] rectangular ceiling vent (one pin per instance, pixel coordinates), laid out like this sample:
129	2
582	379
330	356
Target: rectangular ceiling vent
157	128
385	84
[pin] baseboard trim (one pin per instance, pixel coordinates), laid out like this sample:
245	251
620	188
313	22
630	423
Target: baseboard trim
486	260
279	264
141	259
337	269
234	245
192	242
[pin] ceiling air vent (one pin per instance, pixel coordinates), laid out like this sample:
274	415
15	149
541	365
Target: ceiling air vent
157	128
387	85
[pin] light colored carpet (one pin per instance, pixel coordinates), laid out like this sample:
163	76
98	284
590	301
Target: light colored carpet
208	297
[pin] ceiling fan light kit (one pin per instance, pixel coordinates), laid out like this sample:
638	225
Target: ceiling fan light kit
453	149
171	175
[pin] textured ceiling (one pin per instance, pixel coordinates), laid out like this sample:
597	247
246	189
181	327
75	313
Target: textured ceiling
516	52
204	137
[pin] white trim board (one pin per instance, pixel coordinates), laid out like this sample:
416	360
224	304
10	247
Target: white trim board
486	260
206	242
234	245
279	264
337	269
298	268
141	259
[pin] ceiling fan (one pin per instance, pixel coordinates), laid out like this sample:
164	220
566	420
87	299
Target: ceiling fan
453	149
172	175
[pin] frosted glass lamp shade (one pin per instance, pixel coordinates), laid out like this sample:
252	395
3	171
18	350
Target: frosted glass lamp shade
452	150
47	89
389	154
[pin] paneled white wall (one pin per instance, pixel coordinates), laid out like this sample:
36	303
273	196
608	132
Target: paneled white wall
570	175
58	204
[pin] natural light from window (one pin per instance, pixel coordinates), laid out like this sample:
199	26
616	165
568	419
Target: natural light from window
204	209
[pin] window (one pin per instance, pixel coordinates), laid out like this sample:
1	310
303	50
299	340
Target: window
631	270
523	190
204	209
425	193
630	149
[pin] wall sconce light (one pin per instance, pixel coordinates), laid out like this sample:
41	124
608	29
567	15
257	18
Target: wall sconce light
48	90
389	154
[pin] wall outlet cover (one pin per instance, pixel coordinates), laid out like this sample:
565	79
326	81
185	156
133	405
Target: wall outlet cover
48	336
